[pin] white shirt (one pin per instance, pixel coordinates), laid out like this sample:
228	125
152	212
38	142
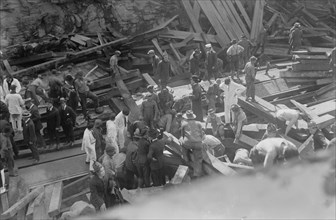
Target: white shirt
14	103
120	120
14	82
234	50
287	114
111	134
211	141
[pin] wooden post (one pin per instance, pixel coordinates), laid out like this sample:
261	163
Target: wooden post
56	199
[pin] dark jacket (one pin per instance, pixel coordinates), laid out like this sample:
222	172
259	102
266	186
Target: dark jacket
29	134
53	118
319	140
155	154
97	189
194	65
100	141
163	71
142	152
211	61
4	110
36	117
67	115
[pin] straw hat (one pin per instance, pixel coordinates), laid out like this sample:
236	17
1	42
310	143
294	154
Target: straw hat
26	114
189	115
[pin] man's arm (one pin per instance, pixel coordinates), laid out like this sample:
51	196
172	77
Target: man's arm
269	158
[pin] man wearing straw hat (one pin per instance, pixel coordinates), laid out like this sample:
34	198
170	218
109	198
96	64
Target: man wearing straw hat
29	135
192	136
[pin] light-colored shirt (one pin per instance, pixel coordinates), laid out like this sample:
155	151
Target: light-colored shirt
81	86
214	121
114	62
38	82
250	71
192	131
14	103
14	82
111	134
234	50
211	141
121	120
287	114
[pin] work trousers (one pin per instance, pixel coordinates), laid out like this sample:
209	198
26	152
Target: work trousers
16	121
250	89
73	100
15	148
143	175
158	177
9	160
83	101
34	151
194	149
196	106
53	135
129	177
68	131
40	142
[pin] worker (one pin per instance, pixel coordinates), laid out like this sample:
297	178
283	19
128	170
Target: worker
194	63
247	45
150	89
88	145
239	119
250	74
212	94
242	157
107	161
164	70
154	59
82	87
36	118
213	120
332	61
166	120
231	93
29	135
100	141
234	53
5	123
196	98
271	131
114	63
138	126
273	150
68	121
53	125
214	145
97	187
261	40
121	121
295	37
70	92
211	62
320	141
288	115
191	138
166	101
55	88
15	105
8	81
38	87
150	111
6	150
112	133
141	162
176	125
156	158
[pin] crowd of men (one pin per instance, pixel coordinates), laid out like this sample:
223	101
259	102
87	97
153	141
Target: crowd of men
131	155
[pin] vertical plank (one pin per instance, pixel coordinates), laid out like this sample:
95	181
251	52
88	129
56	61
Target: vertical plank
180	175
197	10
56	199
236	16
243	12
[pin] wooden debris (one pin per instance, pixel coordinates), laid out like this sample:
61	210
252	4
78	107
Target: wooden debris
56	199
220	166
180	175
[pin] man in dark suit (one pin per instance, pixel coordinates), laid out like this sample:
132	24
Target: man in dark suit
68	121
29	135
36	117
53	124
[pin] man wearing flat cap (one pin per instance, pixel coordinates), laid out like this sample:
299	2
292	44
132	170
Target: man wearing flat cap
194	63
150	89
155	60
247	45
68	121
29	135
239	119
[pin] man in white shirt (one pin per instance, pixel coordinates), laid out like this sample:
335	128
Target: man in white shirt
112	133
38	87
114	62
288	115
231	92
15	105
121	123
10	80
235	55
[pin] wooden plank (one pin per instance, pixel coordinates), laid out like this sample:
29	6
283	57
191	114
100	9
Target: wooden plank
149	79
8	67
21	203
196	10
303	148
328	107
175	52
257	19
220	166
157	46
304	109
236	16
305	74
181	35
244	14
32	204
180	175
193	19
324	121
32	58
272	20
38	212
102	42
78	40
4	201
238	166
247	140
310	67
56	199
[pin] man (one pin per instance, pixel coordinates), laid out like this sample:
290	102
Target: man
130	164
8	82
70	92
38	87
55	85
194	63
107	161
112	133
149	111
163	70
231	91
213	120
261	40
271	131
156	158
212	94
15	105
98	186
36	118
176	125
247	45
214	145
53	125
234	53
288	115
5	123
211	62
239	120
250	74
142	161
100	141
150	89
82	87
6	150
196	98
155	59
29	135
166	120
242	157
295	38
4	111
273	150
121	121
320	141
191	138
68	121
114	63
166	101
